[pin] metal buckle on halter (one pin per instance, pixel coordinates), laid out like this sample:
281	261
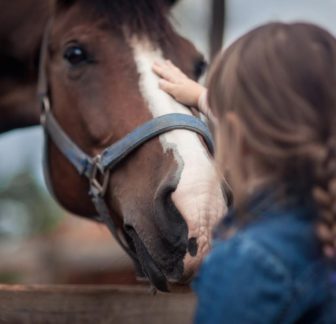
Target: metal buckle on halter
99	178
45	108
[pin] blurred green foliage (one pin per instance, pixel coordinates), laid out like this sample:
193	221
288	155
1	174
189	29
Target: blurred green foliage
10	277
26	208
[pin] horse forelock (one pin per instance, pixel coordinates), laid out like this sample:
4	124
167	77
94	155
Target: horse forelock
141	17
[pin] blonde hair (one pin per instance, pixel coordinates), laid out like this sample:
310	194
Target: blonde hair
280	80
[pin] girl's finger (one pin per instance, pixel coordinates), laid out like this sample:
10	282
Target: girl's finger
169	62
167	86
175	69
161	64
163	72
173	66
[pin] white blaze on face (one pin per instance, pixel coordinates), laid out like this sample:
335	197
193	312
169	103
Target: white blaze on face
198	196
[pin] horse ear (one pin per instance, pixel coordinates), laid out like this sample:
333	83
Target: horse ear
171	3
64	3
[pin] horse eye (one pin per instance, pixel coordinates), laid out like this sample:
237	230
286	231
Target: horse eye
75	55
199	68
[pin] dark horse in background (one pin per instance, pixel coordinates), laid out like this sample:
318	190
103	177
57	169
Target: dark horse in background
166	196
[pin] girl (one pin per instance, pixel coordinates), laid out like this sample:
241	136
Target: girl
273	95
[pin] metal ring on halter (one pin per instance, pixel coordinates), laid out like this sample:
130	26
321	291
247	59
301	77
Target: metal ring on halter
45	108
99	178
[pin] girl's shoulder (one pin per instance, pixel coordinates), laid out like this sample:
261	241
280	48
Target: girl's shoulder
283	232
288	235
273	266
243	251
263	269
240	274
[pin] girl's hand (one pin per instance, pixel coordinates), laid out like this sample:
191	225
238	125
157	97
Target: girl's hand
177	84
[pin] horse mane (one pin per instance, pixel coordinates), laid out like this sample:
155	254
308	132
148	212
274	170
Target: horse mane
141	17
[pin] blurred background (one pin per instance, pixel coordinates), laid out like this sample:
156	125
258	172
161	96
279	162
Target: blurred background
40	242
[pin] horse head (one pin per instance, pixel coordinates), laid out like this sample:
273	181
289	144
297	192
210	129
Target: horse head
165	196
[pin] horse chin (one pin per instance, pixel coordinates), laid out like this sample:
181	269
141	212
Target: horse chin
149	268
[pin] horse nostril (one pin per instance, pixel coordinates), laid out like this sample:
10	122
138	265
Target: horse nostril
192	246
169	220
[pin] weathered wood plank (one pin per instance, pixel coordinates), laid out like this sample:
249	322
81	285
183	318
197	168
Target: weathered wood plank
92	304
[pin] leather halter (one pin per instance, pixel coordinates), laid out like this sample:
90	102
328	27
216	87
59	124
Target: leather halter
97	169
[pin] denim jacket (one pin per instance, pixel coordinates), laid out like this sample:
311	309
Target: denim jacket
271	271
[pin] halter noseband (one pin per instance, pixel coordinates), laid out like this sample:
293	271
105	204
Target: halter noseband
97	169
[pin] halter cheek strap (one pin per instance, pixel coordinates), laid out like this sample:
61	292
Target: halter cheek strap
111	156
97	169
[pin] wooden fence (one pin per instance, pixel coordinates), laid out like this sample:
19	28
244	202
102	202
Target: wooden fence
93	304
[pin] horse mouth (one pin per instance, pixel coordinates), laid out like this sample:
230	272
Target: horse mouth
148	266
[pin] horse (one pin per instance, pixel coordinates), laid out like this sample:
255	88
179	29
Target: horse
164	197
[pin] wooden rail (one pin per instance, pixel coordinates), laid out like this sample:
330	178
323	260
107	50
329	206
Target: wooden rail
93	304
